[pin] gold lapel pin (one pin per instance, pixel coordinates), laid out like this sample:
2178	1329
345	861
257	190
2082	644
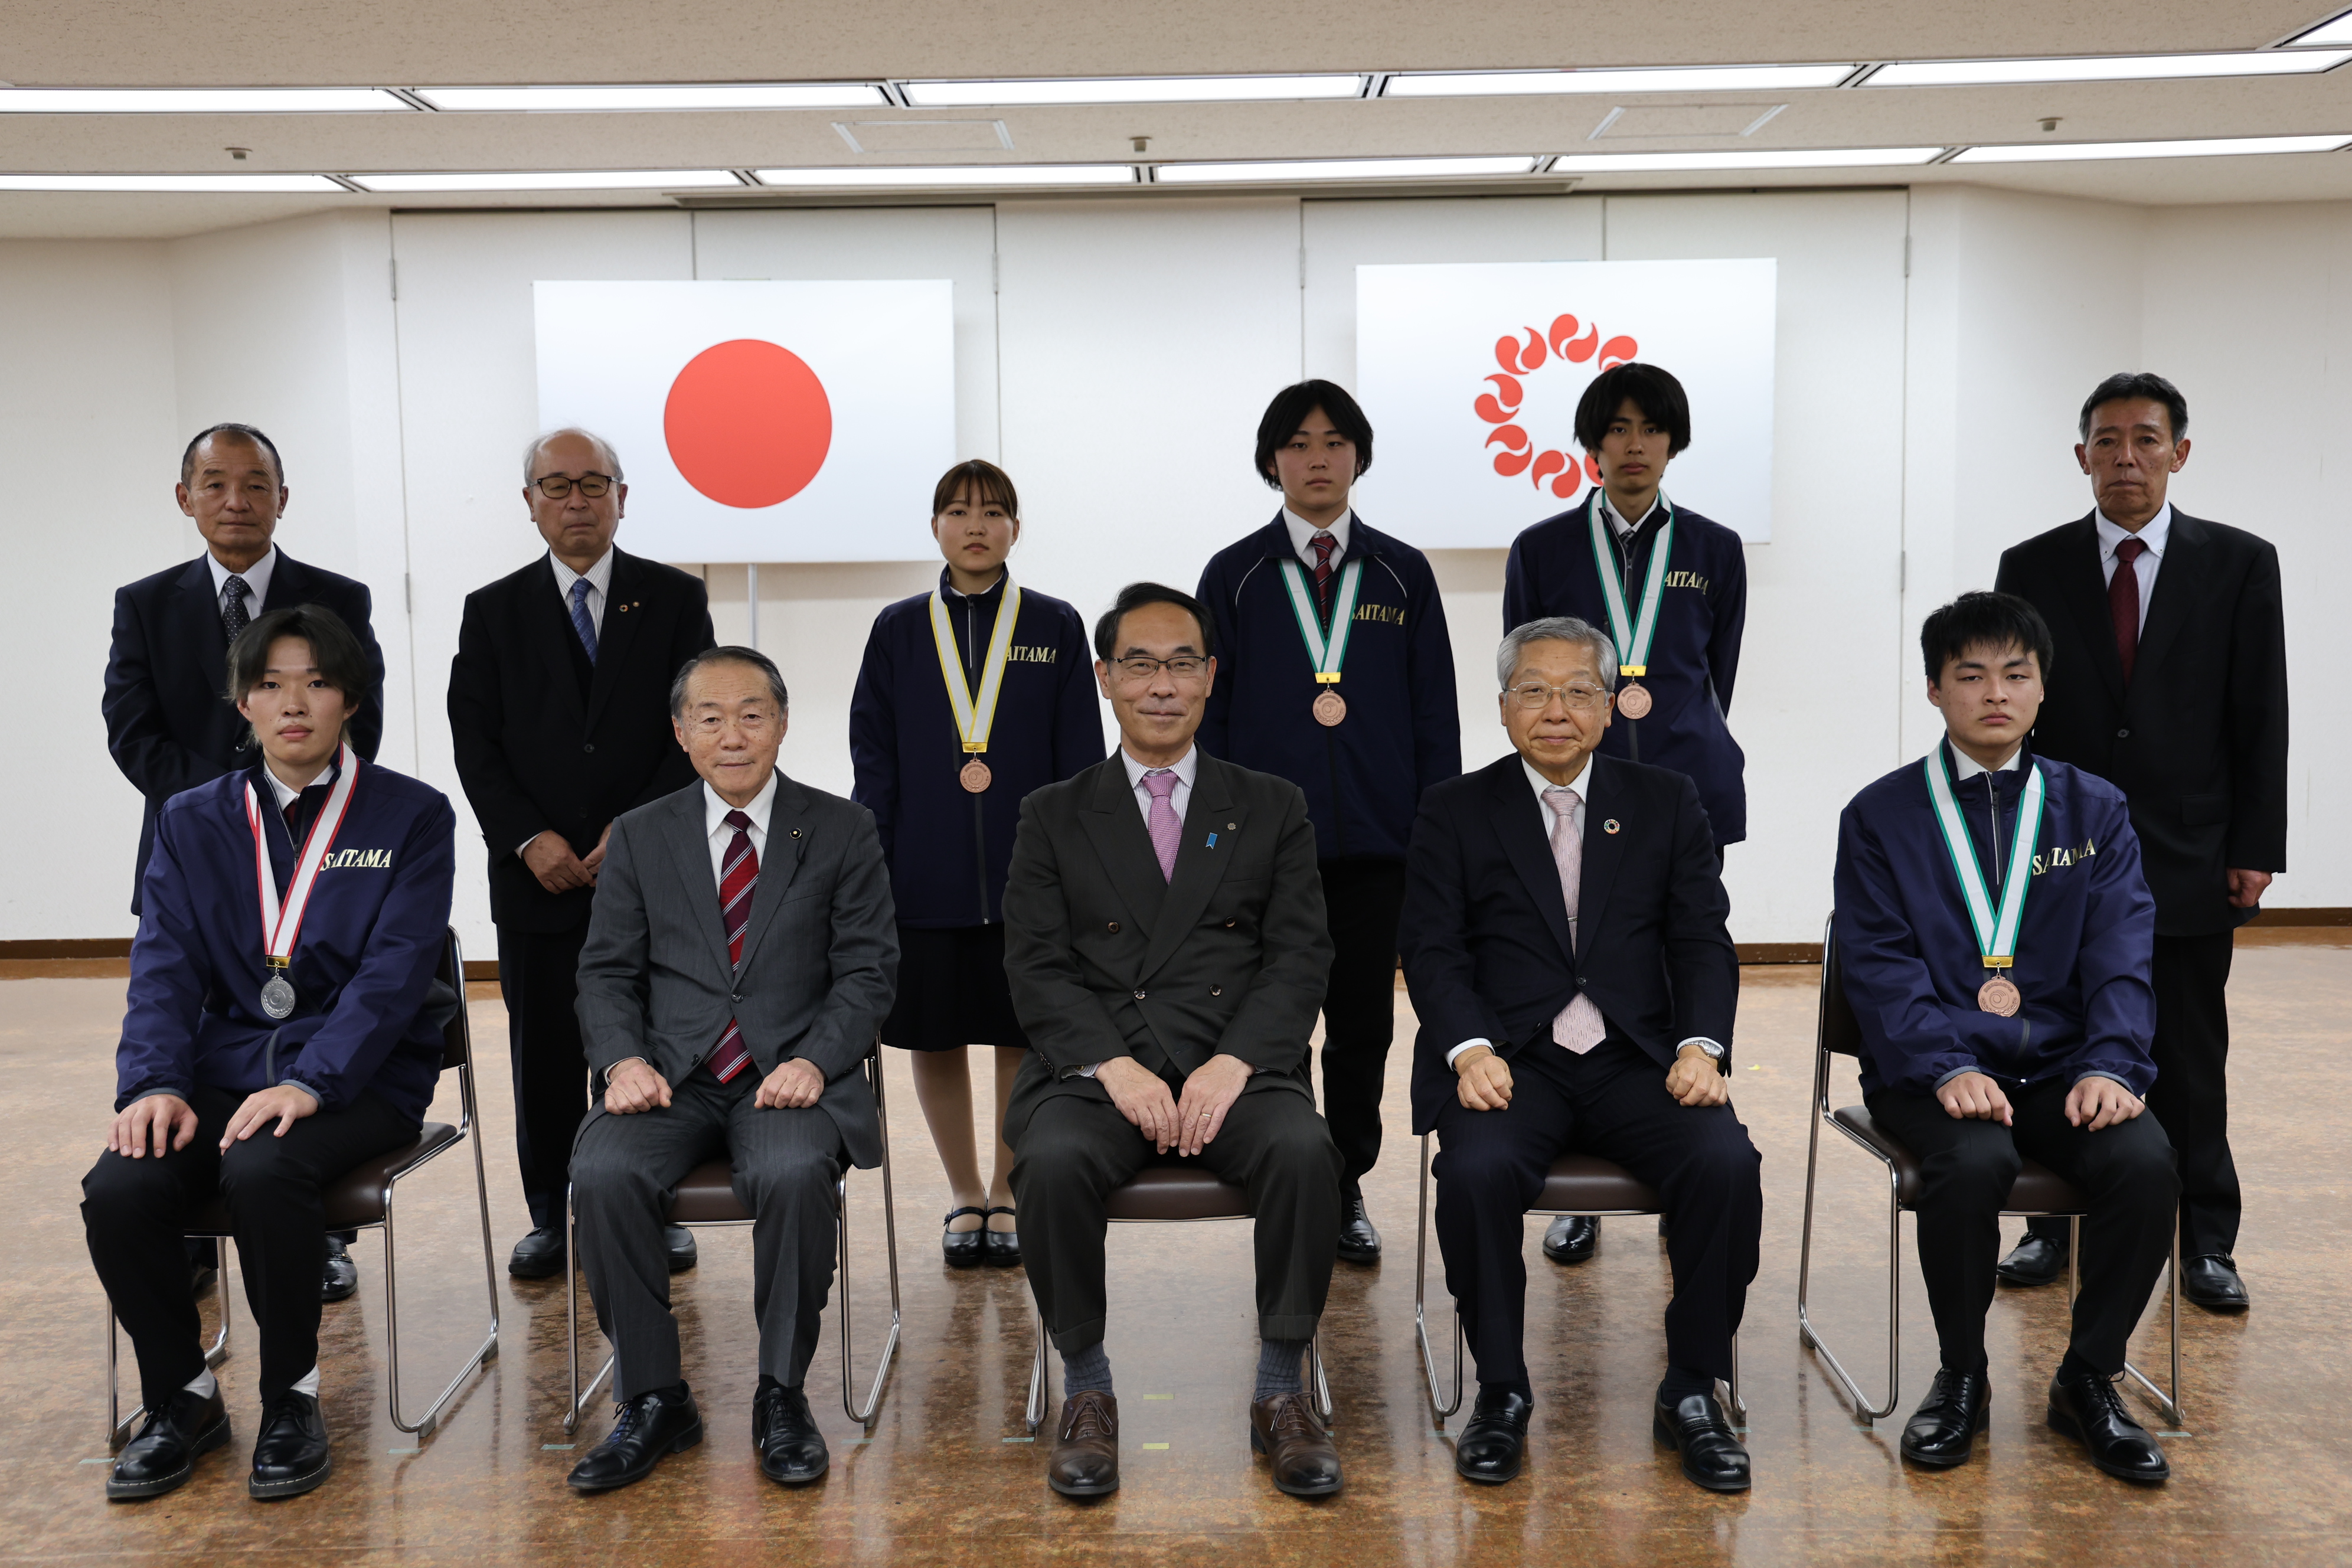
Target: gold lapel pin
796	832
1610	825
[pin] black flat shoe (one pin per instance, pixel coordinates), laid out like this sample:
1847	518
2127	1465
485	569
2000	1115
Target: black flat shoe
1571	1238
290	1457
678	1242
1358	1241
2087	1408
2211	1282
645	1431
539	1256
1002	1249
964	1248
341	1280
1493	1445
792	1450
163	1456
1712	1454
1943	1431
2036	1260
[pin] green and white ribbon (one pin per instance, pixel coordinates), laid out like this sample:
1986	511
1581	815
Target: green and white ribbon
975	716
1996	928
1633	634
1327	653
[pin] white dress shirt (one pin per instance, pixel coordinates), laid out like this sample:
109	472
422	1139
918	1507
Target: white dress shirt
600	581
257	581
1623	529
1183	768
2155	533
1303	532
714	824
1966	767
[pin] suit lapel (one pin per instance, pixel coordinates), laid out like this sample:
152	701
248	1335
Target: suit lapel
1115	826
290	585
1211	810
787	846
2177	576
689	860
1519	822
622	613
1606	802
206	634
2083	592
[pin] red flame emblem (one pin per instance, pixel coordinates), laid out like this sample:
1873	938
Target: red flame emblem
1501	406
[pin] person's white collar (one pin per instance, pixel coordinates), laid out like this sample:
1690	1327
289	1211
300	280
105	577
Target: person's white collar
1302	533
714	809
1965	766
2155	533
286	793
600	576
1616	520
256	577
1184	767
1581	784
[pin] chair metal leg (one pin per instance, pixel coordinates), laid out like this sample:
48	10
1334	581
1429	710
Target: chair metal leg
1440	1406
2168	1402
578	1400
1737	1406
1806	1332
483	1353
1035	1412
1317	1383
864	1418
122	1429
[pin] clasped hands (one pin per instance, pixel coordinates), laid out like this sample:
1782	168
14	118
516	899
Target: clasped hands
634	1086
2095	1102
1485	1080
549	858
1185	1125
164	1123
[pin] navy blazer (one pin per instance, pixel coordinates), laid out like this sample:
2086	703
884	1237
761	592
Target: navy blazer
1364	777
1485	938
168	725
1911	962
1694	658
950	849
369	947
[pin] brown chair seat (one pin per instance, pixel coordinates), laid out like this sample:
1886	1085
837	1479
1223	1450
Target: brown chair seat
2037	1190
1172	1192
1585	1183
706	1197
355	1198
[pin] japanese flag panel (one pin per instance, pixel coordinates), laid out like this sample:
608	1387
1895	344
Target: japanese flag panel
1470	374
761	421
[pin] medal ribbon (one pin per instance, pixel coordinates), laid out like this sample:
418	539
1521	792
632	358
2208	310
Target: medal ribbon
975	716
1996	929
1326	654
280	928
1633	634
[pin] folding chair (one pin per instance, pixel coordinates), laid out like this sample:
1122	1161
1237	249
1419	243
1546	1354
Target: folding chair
2038	1191
361	1199
706	1199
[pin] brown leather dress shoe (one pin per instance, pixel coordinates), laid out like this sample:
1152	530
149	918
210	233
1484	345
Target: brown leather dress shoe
1085	1446
1286	1430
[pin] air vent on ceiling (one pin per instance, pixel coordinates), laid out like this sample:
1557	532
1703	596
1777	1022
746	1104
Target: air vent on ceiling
1670	122
925	135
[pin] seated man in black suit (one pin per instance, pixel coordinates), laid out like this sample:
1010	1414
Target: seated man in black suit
1578	994
1167	949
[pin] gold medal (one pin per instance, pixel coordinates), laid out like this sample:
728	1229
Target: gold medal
1999	996
1633	700
974	776
1331	707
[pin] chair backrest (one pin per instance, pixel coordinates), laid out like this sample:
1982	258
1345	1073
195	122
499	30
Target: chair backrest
456	1036
1840	1031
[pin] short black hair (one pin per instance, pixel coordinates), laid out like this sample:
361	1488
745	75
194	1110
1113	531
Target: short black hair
1290	410
341	662
2132	386
243	433
1134	596
1983	620
991	485
728	653
1654	391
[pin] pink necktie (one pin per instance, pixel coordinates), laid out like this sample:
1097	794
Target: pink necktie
1166	826
1579	1025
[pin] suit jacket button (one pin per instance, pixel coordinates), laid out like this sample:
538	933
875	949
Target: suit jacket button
1581	983
589	747
1229	925
1138	995
1217	990
2123	734
737	998
1114	928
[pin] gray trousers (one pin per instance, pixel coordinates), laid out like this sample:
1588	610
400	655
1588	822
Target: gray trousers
624	1169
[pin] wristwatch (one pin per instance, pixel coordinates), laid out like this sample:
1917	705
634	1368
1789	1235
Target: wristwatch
1716	1053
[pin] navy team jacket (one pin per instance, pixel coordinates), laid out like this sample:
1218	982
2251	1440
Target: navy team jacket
1694	659
949	850
1910	956
369	946
1364	777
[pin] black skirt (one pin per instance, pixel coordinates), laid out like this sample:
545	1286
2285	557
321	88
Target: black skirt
952	991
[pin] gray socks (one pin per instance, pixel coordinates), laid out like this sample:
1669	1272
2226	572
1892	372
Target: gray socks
1277	1367
1086	1372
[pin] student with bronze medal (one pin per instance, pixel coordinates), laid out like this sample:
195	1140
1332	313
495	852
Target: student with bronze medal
1997	937
969	697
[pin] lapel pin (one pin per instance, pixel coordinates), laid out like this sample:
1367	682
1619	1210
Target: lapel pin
1213	841
1610	825
796	832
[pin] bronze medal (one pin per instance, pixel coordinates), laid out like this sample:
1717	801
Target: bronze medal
1331	707
975	777
1633	700
1999	996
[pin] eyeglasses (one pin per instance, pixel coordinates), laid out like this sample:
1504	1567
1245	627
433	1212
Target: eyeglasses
555	487
1140	669
1580	697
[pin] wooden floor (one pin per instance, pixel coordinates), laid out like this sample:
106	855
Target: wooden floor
948	1474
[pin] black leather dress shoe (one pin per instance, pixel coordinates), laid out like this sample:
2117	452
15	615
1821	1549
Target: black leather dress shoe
792	1450
538	1255
341	1280
678	1242
1712	1454
2036	1260
1943	1431
1358	1241
1571	1238
1002	1249
964	1248
165	1453
645	1431
2087	1408
290	1457
1495	1442
2211	1282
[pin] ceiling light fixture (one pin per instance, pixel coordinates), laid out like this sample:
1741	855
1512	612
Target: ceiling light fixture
1789	158
1341	169
960	174
2104	68
198	184
2223	147
1653	79
623	100
552	180
2338	31
200	100
1131	89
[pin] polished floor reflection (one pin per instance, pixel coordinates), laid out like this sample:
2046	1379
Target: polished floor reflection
947	1473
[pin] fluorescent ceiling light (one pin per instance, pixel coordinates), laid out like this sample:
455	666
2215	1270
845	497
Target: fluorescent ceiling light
1663	79
552	180
197	100
1790	158
1130	89
1343	169
2339	31
772	95
2104	68
2226	147
199	184
956	175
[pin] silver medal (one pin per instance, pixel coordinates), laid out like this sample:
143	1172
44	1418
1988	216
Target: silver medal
277	997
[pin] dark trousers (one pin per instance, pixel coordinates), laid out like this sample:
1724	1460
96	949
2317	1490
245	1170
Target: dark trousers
539	975
2192	1093
136	1212
1610	1102
1362	900
1075	1149
1966	1169
788	1161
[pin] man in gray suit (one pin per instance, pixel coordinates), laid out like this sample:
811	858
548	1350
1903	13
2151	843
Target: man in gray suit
1168	953
740	956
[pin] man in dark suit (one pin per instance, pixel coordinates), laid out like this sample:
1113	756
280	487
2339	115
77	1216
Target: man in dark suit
2169	682
559	709
169	725
1167	949
1579	993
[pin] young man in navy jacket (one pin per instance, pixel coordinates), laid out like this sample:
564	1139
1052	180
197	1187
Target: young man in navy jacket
1996	936
1336	672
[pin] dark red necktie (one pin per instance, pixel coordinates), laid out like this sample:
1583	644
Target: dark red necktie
738	875
1324	544
2123	603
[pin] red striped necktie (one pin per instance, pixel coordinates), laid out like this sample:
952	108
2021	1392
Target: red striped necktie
738	875
1324	543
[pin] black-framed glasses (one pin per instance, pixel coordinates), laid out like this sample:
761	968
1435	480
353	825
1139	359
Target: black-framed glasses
1185	667
556	487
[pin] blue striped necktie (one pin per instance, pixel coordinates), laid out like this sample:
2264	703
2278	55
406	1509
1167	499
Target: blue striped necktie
581	621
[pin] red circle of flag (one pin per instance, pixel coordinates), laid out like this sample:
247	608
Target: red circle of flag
748	423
